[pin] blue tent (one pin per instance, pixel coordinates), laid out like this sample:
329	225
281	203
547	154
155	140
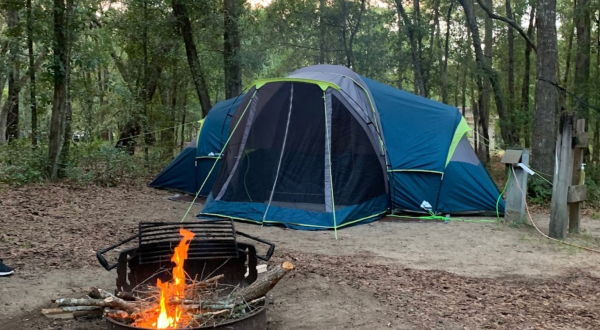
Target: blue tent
189	169
325	148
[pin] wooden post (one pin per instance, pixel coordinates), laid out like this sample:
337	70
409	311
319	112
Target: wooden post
517	185
562	177
577	192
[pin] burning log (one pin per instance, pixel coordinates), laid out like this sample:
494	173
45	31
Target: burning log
116	313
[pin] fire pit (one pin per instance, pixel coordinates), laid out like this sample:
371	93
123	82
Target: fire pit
213	282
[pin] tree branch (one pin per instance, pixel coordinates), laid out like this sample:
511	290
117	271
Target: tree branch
509	22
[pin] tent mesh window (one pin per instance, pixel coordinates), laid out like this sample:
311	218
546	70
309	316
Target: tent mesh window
284	154
356	170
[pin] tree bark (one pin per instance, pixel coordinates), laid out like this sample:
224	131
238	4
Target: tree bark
64	154
414	49
185	27
322	31
596	140
12	106
486	96
60	63
32	92
562	101
582	64
525	87
231	47
513	116
543	140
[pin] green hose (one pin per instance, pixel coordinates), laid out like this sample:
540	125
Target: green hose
502	194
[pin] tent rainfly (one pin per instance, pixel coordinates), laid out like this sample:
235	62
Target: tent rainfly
325	148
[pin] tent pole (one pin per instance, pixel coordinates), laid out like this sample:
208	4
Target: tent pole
328	151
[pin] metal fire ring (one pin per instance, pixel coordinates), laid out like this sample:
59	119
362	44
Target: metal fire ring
257	320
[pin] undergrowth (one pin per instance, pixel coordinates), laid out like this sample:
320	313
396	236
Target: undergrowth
95	162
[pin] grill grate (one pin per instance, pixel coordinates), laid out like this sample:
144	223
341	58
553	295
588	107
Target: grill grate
214	239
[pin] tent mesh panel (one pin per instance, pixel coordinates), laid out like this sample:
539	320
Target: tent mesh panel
357	172
300	183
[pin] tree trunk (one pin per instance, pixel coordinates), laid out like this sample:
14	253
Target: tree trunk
12	102
596	140
32	94
185	27
446	54
183	112
486	69
562	101
64	154
525	88
544	118
414	49
582	64
60	63
231	48
322	31
513	115
486	96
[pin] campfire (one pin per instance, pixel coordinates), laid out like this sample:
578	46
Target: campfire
191	294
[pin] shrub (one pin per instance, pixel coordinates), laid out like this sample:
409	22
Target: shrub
97	162
21	163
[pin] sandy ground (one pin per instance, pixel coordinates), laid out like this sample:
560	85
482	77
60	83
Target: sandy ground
383	275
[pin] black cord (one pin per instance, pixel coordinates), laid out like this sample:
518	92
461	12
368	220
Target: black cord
564	90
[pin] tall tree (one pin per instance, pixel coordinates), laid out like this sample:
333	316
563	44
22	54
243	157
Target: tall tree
185	28
32	94
322	31
543	140
582	64
349	28
59	104
231	48
413	36
486	71
513	121
446	55
10	111
526	73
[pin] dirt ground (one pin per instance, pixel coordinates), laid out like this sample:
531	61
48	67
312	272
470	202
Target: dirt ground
384	275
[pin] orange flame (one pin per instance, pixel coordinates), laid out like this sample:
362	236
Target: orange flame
169	317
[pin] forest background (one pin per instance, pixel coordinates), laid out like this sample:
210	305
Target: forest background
104	91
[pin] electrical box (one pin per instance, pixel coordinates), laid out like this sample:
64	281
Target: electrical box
512	156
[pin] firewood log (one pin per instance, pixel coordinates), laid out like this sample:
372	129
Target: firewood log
97	293
263	284
70	312
113	302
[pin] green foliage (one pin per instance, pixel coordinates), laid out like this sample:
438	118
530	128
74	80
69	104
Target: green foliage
20	163
103	164
539	191
592	181
96	162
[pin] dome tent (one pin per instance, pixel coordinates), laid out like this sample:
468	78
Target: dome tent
324	148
